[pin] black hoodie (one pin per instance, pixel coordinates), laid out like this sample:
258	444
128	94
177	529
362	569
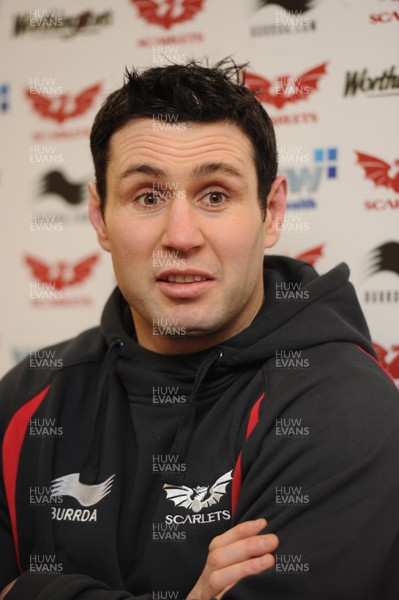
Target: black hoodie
120	465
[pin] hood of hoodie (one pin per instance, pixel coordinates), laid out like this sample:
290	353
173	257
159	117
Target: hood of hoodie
301	309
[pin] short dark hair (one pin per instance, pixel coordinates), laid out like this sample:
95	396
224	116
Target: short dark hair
189	92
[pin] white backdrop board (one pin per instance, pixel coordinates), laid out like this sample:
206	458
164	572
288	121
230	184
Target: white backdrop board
328	75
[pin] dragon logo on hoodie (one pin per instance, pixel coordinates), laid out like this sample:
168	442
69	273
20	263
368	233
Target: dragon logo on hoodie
199	497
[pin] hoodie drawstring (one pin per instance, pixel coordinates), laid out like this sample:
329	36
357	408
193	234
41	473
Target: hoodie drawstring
89	472
182	438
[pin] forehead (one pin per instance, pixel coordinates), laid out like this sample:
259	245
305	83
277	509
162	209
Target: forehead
179	145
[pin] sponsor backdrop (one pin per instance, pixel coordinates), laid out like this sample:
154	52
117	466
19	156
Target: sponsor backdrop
326	71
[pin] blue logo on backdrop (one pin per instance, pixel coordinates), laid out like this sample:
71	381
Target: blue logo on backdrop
304	181
4	97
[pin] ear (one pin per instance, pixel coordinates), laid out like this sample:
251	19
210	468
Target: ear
276	202
96	217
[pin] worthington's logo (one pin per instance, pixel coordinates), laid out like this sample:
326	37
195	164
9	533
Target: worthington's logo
199	497
53	22
384	84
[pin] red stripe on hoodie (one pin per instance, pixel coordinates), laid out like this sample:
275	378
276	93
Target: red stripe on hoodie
377	363
237	478
12	445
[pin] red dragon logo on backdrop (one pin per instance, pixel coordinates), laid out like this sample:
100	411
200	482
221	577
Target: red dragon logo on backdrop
167	13
285	89
389	359
61	274
378	171
64	106
312	255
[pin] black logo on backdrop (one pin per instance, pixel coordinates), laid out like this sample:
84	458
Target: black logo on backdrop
54	182
384	258
386	83
290	5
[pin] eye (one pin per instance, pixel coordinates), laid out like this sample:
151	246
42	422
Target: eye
149	200
215	198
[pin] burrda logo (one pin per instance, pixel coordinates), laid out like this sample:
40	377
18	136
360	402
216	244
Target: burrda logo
167	13
55	182
66	106
200	497
86	495
286	89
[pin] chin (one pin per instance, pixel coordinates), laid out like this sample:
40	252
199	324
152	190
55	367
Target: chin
199	328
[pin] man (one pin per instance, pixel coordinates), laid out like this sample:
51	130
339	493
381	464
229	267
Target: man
222	388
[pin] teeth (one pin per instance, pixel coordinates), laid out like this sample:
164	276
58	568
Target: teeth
184	278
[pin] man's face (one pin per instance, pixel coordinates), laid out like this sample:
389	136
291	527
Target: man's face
184	227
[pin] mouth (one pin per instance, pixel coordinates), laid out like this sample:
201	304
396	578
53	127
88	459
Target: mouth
184	283
183	277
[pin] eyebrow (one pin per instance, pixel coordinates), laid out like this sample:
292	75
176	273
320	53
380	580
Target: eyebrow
198	171
217	167
144	169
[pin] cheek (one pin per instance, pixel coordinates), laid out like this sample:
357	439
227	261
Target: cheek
128	241
239	242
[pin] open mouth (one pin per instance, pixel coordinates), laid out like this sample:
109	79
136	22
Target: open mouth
183	278
189	284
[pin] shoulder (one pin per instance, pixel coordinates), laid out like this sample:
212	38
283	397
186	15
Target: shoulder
335	373
339	396
43	366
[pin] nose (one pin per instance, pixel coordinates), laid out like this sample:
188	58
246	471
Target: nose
182	230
